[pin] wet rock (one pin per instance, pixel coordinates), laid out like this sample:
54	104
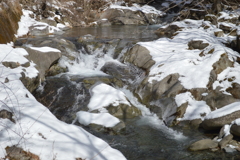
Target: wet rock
7	115
55	69
235	130
217	123
223	143
129	74
49	57
140	57
203	145
168	32
170	86
197	44
30	83
63	97
124	111
109	130
15	152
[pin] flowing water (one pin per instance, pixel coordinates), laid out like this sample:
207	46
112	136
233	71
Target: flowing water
147	137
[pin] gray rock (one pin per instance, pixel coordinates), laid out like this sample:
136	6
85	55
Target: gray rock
203	145
212	18
129	74
223	143
110	130
226	29
140	56
7	115
126	17
217	123
43	60
124	111
235	130
39	30
197	44
168	32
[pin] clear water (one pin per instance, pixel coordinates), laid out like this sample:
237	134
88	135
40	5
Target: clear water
141	33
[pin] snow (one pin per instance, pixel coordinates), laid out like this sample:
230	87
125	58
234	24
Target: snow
37	130
45	49
236	121
226	110
26	22
136	7
195	109
104	119
103	95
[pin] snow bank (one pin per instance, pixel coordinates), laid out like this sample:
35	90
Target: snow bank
37	130
104	119
26	22
103	95
195	109
136	7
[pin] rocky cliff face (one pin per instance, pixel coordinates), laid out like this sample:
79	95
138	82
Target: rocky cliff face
10	13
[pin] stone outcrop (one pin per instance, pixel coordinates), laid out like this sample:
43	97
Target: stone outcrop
43	60
235	130
10	13
128	17
140	56
218	123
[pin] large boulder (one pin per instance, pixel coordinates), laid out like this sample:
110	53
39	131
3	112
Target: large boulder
235	130
219	122
10	13
128	16
140	57
43	57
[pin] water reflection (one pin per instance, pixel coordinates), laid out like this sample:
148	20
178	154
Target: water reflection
143	33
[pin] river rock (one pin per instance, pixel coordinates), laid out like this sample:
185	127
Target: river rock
217	123
223	143
235	130
63	97
43	60
168	31
128	74
110	130
140	56
124	111
203	145
127	16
